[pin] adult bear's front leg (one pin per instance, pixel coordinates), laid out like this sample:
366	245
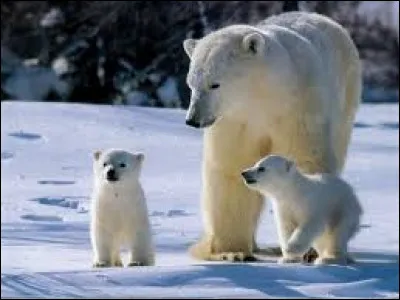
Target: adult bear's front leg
230	215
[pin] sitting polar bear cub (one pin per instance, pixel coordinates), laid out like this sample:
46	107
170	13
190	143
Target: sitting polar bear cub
319	210
119	210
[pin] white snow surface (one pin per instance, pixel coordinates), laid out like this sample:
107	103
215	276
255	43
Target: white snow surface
46	180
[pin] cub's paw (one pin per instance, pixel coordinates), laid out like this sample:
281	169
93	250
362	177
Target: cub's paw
289	260
102	264
136	264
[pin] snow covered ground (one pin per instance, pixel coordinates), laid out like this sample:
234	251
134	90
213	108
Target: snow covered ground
46	153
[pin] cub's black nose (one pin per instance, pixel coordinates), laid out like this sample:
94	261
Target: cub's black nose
248	177
111	176
192	123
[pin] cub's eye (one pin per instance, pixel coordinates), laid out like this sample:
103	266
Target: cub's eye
122	165
214	86
105	165
261	169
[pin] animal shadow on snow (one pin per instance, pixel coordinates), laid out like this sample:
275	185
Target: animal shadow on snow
56	182
72	202
25	135
383	125
380	271
72	235
5	155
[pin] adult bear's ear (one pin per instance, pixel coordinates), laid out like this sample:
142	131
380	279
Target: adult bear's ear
254	43
189	45
96	154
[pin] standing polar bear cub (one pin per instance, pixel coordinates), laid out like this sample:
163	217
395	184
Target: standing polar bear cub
319	210
119	210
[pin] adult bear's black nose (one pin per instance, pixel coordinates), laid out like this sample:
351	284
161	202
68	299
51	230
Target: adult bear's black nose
191	122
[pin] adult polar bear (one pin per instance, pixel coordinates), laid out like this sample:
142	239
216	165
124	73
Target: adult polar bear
289	86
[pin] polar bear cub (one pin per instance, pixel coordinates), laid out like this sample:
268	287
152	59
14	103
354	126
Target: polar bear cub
119	210
318	210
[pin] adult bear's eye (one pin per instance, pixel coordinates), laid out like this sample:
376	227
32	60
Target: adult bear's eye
261	169
122	165
214	86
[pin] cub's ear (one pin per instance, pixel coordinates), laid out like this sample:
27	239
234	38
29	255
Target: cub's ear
189	45
96	154
254	43
140	156
289	166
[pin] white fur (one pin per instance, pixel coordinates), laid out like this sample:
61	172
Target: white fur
119	211
319	210
291	86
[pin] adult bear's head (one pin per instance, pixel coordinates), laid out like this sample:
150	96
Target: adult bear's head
221	75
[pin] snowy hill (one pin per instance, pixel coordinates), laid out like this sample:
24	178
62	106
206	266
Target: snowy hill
46	181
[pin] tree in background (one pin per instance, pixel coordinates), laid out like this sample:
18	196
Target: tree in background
131	51
290	6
